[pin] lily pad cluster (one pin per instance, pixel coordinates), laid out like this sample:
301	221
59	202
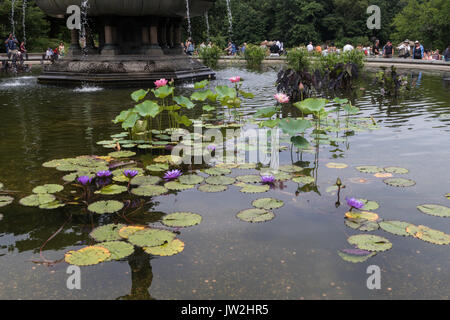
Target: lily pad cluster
44	198
261	211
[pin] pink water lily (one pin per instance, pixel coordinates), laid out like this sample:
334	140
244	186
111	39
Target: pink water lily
282	98
235	79
161	83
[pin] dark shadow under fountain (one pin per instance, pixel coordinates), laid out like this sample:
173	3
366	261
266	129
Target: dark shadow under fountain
139	41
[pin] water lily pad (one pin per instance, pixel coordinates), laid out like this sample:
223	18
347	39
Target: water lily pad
191	179
217	171
370	169
182	219
112	190
268	203
103	207
176	186
447	196
396	170
399	182
122	154
362	224
247	166
36	200
227	165
412	229
355	255
149	191
395	227
70	177
118	249
54	163
52	205
435	210
87	256
212	188
304	180
109	232
362	215
335	165
5	200
168	159
369	205
220	180
251	178
290	168
432	236
248	188
383	175
151	238
126	231
256	215
370	242
166	250
158	167
145	180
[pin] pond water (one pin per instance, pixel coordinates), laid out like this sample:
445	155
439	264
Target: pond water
294	256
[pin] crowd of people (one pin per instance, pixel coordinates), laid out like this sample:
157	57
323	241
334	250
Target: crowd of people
14	48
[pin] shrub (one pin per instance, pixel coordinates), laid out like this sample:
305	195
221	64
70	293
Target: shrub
210	56
355	57
299	59
254	55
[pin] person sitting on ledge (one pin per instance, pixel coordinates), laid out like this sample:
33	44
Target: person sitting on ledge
418	51
404	50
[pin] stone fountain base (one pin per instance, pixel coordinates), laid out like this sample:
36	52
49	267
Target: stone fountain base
130	70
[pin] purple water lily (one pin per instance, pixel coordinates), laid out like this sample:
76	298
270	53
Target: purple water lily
172	175
104	174
84	180
353	203
211	148
101	183
268	179
130	174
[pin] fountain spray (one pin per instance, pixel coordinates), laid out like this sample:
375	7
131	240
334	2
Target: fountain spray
230	19
13	27
188	16
24	13
207	26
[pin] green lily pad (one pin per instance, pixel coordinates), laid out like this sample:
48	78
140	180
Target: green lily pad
109	232
447	196
54	163
103	207
217	171
126	231
5	200
369	205
432	236
304	180
52	205
370	242
209	188
112	190
256	215
251	178
435	210
166	250
290	168
145	180
151	237
37	200
395	227
191	179
356	258
176	186
120	177
158	167
87	256
362	225
247	166
122	154
335	165
396	170
370	169
149	191
220	180
268	203
248	188
182	219
399	182
118	249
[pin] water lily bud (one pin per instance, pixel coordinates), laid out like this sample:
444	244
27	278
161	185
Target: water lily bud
338	182
301	86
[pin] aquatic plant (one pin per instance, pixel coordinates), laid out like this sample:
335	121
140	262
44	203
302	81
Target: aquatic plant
84	180
354	204
172	175
267	179
254	56
161	83
130	174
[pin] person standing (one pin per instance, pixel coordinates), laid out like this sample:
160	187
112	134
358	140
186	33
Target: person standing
310	47
447	54
418	51
11	43
62	50
348	47
23	50
388	50
376	48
